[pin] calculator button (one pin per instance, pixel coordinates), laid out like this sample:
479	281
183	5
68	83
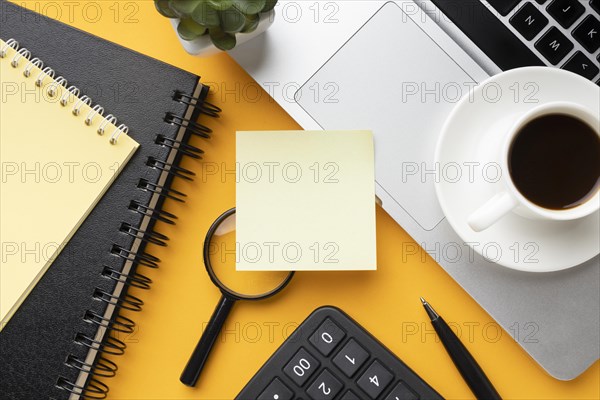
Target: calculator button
529	21
588	33
402	392
301	367
327	337
375	379
566	12
276	391
554	45
350	358
349	395
325	387
581	65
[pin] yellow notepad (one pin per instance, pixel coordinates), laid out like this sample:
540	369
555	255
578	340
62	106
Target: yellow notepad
305	201
55	168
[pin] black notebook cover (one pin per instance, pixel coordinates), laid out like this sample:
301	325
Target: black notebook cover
46	344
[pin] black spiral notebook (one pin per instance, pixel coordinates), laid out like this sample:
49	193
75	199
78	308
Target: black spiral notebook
55	345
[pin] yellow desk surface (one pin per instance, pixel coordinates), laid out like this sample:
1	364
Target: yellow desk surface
182	298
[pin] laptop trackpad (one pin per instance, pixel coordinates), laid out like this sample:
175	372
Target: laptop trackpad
393	79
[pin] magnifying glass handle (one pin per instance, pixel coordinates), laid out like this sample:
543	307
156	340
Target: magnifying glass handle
192	370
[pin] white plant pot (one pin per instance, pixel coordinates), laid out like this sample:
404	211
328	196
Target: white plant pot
203	46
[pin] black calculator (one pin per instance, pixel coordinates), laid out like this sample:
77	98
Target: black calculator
331	357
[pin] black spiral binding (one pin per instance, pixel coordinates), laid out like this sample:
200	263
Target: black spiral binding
146	236
156	214
134	279
102	367
162	191
93	390
171	169
203	106
184	148
192	127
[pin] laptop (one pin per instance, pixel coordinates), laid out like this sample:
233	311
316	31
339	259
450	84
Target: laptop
328	65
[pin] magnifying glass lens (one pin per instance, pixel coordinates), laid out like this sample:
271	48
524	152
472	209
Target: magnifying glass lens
222	256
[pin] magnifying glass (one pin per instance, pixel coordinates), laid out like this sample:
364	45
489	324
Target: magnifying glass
219	259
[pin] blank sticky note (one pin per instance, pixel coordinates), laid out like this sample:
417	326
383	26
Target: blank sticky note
305	201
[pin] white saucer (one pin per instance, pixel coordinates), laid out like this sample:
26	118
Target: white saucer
472	133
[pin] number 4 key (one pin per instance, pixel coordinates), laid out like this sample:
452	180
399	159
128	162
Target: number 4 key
375	379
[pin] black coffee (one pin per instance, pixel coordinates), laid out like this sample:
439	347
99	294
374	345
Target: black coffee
554	161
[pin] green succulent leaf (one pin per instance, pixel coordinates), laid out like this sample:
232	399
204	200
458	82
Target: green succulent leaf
220	5
250	7
189	29
205	15
251	23
232	20
269	5
185	7
223	40
162	6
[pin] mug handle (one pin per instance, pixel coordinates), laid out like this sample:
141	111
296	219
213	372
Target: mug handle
490	212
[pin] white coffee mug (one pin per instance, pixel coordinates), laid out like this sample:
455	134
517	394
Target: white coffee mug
510	199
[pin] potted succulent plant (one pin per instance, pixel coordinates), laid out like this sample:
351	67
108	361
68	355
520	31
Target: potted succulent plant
205	27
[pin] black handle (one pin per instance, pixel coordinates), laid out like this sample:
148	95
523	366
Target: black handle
194	366
471	372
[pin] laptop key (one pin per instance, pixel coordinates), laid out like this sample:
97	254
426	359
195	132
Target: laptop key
595	5
588	33
554	45
529	21
540	1
581	65
503	6
566	12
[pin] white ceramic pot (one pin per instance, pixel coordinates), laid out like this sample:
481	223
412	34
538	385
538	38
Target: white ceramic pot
203	47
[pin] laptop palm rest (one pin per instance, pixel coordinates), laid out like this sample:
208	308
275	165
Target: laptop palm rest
398	93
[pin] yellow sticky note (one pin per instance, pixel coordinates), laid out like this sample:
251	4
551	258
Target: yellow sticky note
305	201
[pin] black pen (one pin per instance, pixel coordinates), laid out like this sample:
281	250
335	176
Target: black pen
471	372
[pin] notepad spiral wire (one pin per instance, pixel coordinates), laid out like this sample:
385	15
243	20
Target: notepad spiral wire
51	89
102	367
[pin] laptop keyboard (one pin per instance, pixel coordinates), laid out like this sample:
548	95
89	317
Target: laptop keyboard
563	33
